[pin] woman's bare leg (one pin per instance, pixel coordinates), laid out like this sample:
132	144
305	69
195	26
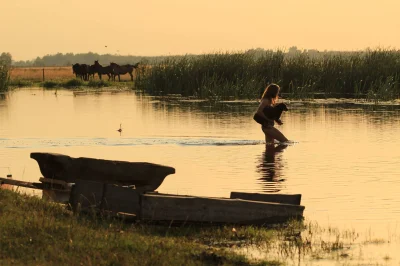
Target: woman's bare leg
272	133
268	139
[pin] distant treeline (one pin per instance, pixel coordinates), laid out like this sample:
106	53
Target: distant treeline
69	59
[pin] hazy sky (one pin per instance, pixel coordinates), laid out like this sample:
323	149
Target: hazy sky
161	27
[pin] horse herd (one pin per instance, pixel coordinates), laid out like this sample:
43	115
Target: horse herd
85	71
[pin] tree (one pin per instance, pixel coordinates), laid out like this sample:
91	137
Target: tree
5	64
6	59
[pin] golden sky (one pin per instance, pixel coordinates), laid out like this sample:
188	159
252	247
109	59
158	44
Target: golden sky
166	27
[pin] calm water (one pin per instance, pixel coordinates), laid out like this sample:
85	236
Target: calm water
344	158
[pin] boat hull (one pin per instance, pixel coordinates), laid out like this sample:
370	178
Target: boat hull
143	175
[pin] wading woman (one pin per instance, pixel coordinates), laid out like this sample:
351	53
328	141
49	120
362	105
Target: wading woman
268	100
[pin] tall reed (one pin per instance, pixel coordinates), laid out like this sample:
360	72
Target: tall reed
245	74
4	76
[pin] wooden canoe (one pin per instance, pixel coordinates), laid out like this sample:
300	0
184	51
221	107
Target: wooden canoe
215	210
157	207
143	175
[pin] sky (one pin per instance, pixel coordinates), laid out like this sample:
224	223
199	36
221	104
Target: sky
172	27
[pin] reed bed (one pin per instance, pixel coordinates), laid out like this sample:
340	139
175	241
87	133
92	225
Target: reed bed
370	74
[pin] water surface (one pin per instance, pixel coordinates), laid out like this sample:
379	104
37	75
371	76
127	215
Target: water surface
343	159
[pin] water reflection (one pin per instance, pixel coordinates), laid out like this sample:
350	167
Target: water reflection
271	167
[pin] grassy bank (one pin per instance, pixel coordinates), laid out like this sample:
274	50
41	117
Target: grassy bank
370	74
41	233
37	232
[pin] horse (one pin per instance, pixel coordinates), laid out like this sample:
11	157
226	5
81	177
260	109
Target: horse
92	71
118	70
81	70
107	70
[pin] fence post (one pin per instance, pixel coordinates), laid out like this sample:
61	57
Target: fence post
43	74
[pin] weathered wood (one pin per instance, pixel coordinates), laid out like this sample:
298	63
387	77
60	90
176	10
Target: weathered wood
86	195
278	198
52	181
52	189
108	198
294	199
197	209
120	199
145	176
55	185
60	196
20	183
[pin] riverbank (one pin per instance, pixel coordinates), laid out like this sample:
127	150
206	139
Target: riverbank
39	232
44	233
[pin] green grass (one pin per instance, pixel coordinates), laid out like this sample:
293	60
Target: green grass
370	74
36	232
21	83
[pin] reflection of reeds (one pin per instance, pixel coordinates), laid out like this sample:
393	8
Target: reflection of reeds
243	75
315	241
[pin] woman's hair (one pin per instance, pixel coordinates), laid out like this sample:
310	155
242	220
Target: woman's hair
271	91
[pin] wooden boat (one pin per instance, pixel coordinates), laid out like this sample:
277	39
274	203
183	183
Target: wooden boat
240	208
128	189
215	210
144	176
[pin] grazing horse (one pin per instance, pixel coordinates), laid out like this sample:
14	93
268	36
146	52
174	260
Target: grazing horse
118	70
107	70
81	70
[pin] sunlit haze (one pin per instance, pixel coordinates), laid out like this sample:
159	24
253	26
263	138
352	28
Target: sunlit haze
157	27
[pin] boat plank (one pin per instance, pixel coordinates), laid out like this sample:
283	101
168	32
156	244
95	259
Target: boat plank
120	199
218	210
20	183
278	198
86	195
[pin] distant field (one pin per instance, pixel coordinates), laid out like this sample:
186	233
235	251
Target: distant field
50	73
36	73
